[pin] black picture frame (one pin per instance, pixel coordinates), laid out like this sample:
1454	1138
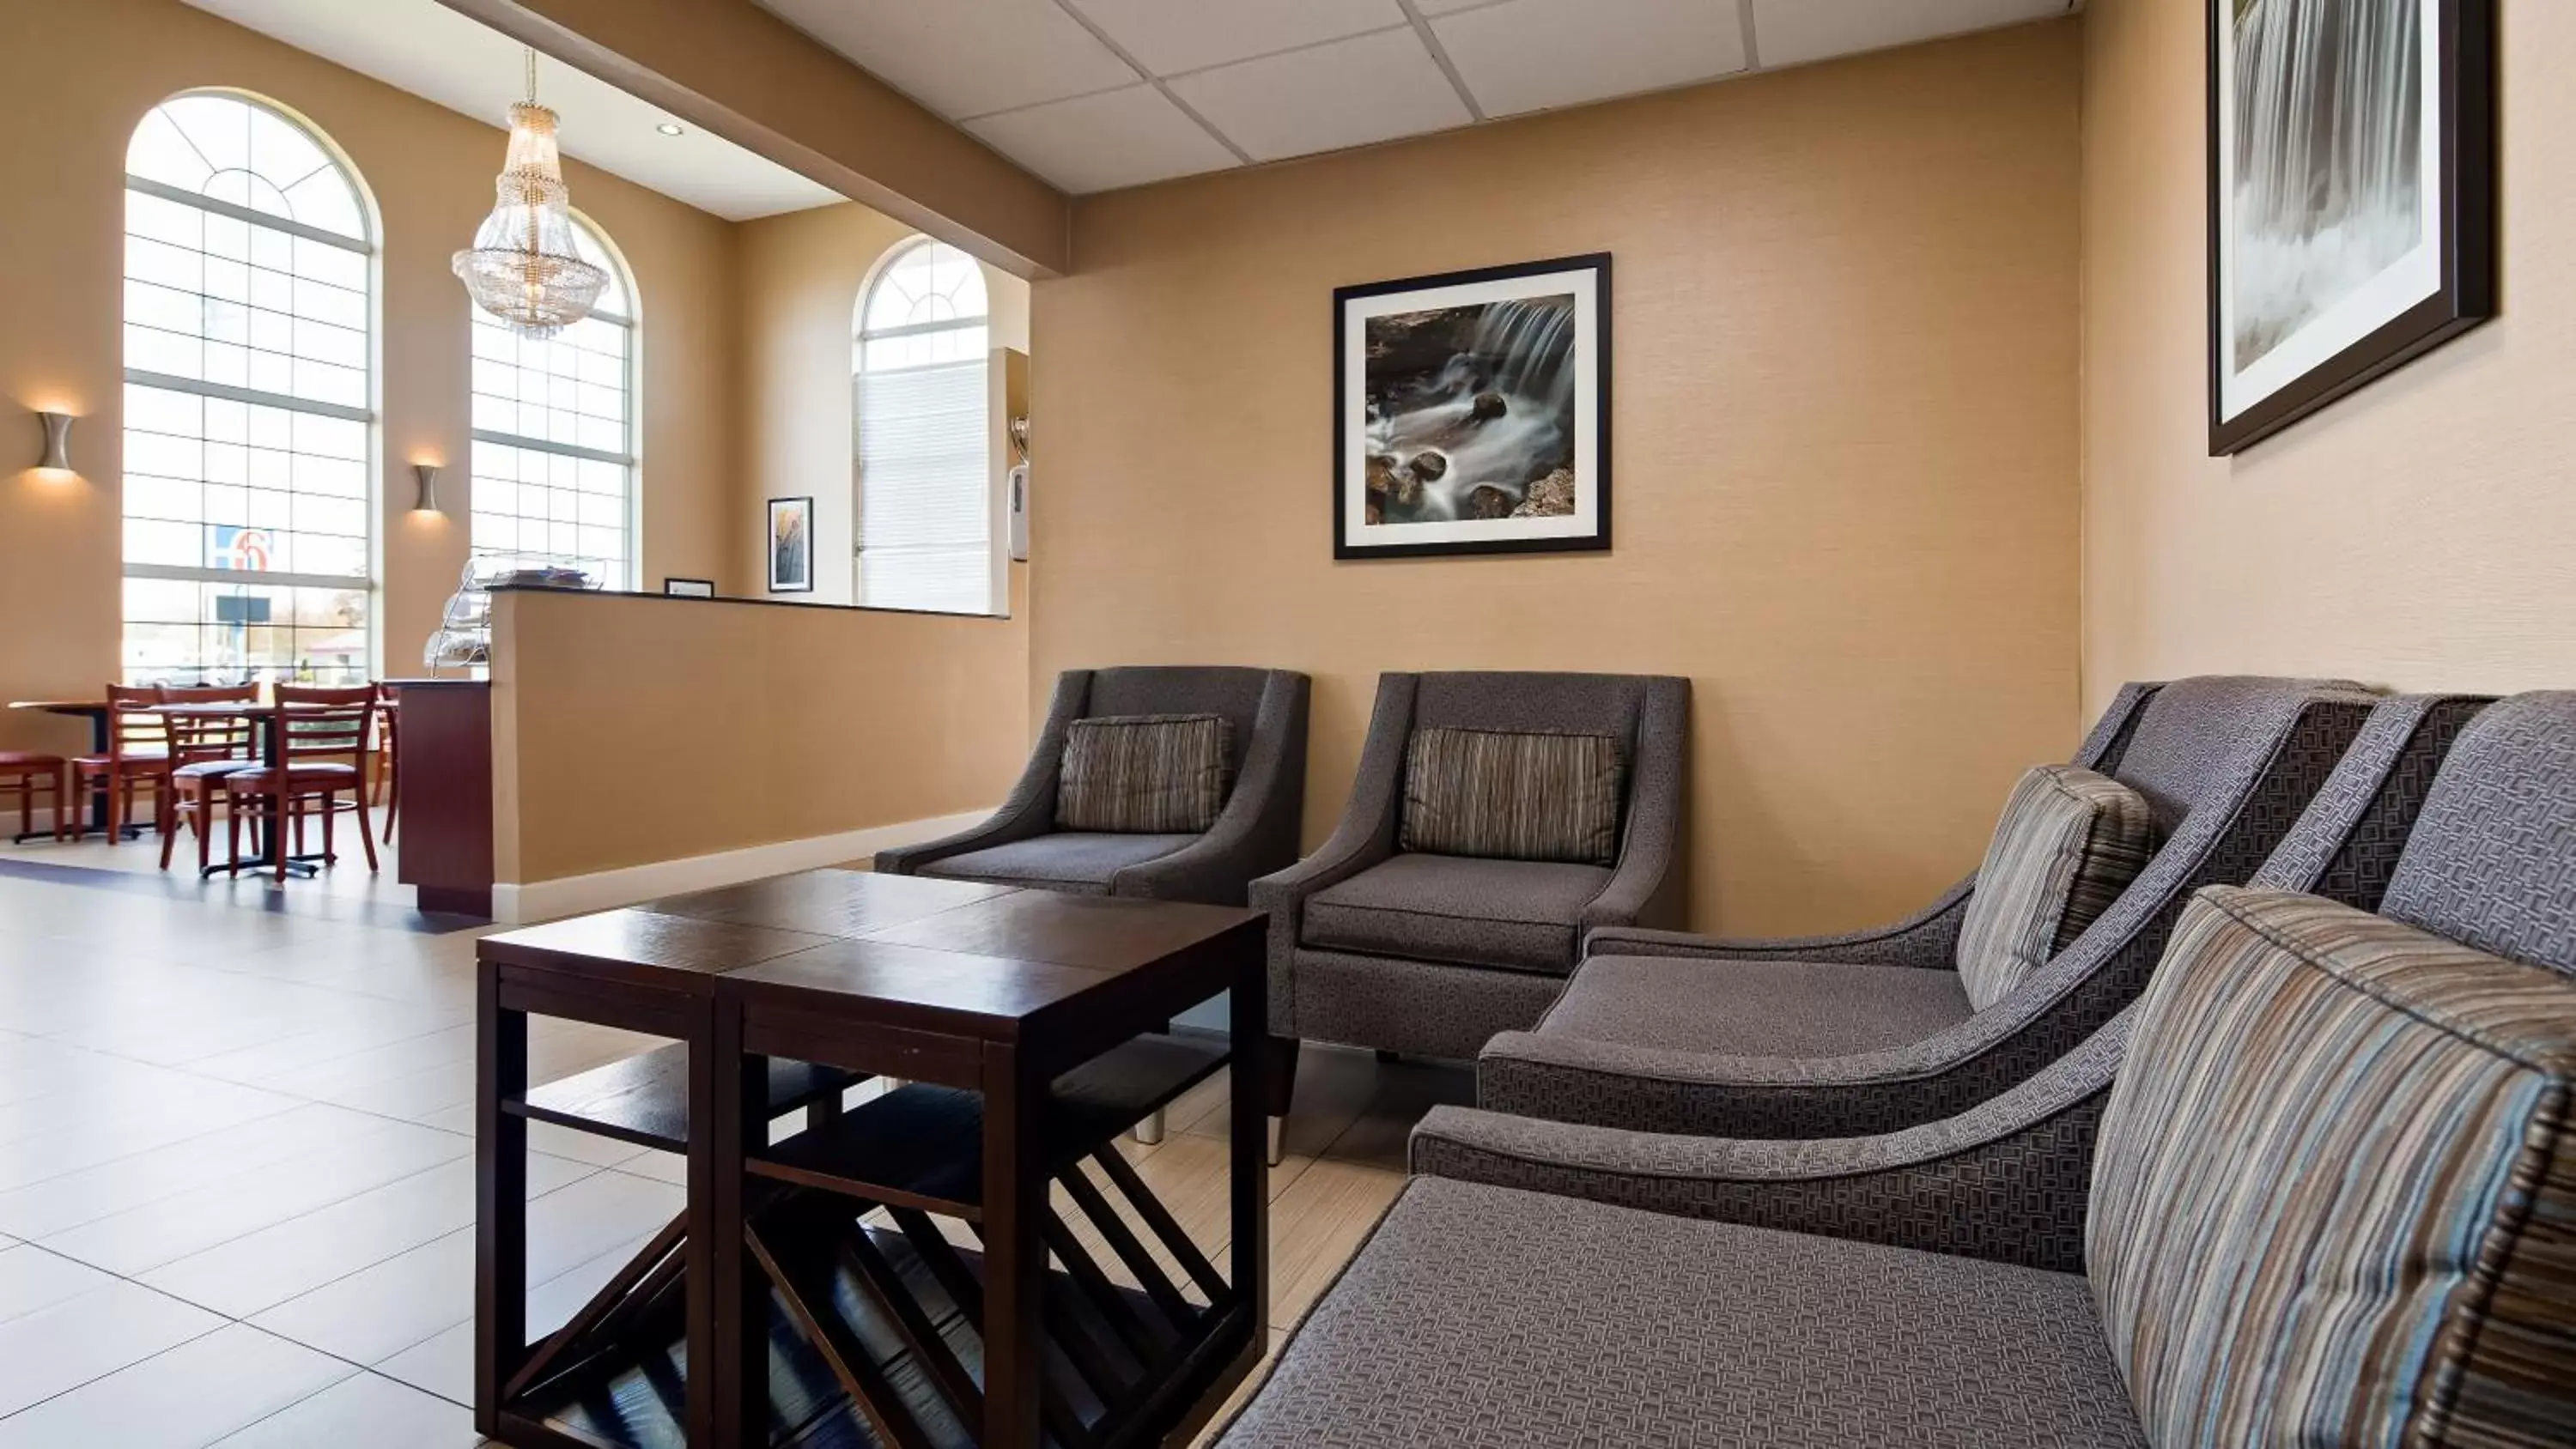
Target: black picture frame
799	546
1596	457
2464	112
689	588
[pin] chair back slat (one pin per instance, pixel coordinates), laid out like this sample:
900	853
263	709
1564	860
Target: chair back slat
199	739
325	722
134	731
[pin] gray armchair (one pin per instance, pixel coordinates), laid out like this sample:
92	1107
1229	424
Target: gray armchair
1374	946
1255	832
1872	1033
2005	1279
2007	1179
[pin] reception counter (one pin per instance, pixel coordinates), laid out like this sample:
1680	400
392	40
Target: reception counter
443	758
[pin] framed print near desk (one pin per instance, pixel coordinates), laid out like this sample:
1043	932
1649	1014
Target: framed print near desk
791	545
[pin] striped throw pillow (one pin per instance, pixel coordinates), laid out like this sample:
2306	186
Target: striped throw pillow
1513	796
1152	774
2068	843
2334	1197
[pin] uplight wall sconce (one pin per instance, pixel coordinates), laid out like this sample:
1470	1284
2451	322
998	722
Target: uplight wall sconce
58	442
427	502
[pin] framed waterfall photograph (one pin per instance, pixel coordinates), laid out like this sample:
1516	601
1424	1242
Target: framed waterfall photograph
1471	412
2351	197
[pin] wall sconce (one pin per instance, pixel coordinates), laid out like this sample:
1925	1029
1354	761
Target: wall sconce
58	442
427	502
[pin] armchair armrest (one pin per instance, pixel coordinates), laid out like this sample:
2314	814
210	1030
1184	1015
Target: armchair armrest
1364	837
1651	883
1257	830
1928	939
2006	1180
1030	807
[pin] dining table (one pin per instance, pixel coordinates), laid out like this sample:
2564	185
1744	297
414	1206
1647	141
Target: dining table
95	711
268	720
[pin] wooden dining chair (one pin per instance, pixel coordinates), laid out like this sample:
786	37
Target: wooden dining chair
138	755
327	733
23	773
388	790
204	752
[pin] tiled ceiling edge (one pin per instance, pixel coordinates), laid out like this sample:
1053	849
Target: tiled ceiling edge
1241	156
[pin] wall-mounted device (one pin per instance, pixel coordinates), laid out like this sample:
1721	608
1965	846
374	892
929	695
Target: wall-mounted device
1018	484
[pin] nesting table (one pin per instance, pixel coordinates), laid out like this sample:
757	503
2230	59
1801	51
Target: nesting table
963	1259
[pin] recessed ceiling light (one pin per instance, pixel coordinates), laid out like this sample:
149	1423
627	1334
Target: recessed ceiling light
668	128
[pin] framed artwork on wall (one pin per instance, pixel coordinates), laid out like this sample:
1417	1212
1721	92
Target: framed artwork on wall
2351	197
791	545
1471	412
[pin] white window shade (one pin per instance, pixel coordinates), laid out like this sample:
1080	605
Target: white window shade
925	504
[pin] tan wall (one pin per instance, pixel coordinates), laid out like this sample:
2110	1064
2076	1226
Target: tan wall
430	171
1844	429
630	730
2416	534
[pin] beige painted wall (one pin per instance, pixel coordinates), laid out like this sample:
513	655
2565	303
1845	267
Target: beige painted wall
431	174
2417	534
629	730
1844	426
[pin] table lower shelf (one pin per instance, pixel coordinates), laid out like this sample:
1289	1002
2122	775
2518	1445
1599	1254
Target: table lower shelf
896	1309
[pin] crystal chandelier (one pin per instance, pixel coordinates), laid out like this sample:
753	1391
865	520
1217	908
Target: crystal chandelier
524	267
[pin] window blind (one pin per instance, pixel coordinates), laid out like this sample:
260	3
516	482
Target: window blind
925	535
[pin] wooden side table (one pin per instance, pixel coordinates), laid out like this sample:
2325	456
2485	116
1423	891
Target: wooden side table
897	1272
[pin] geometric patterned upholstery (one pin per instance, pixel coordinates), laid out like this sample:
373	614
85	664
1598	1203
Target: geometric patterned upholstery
2068	843
2489	864
1484	1317
2334	1196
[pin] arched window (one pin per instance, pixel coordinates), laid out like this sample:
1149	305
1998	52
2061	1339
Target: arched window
925	511
249	405
554	429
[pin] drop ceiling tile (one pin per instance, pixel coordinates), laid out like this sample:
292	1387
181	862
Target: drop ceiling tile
1096	143
1792	32
1530	55
964	57
1344	93
1168	37
1451	7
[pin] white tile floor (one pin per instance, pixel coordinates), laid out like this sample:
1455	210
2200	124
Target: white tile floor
236	1174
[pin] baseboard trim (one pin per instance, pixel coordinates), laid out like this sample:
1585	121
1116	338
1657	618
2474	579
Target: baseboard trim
522	902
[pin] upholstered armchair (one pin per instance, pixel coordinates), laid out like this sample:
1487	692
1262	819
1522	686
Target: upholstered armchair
2020	1275
1376	941
1254	830
1882	1030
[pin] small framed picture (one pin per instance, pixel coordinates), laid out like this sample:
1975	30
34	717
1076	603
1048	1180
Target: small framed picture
689	588
791	545
1471	412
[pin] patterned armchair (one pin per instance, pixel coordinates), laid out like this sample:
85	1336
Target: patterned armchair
2136	1247
1375	945
1255	830
1874	1032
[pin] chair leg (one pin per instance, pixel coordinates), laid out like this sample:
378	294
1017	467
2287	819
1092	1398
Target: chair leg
204	826
1278	1089
393	800
232	835
330	813
120	799
169	831
366	837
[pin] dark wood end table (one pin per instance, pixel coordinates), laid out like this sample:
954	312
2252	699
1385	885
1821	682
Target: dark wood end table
899	1272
